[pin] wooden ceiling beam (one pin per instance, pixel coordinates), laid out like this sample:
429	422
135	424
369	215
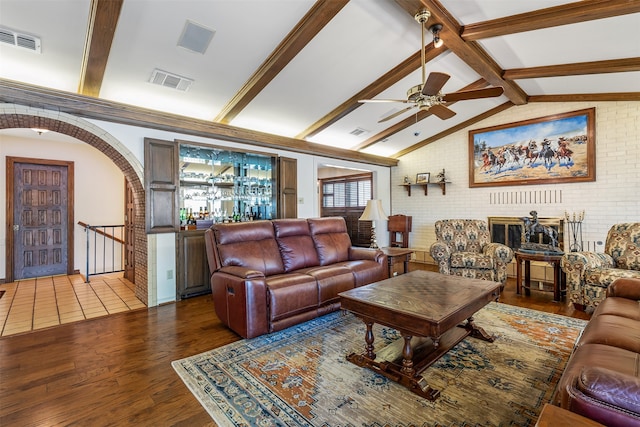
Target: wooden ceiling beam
309	26
582	68
103	19
570	13
589	97
390	78
88	107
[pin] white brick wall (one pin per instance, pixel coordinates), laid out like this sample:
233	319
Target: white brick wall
614	197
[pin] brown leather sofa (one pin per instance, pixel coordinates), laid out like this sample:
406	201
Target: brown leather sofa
269	275
602	379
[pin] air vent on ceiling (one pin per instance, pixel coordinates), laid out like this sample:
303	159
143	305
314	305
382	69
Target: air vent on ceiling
195	37
170	80
358	131
22	40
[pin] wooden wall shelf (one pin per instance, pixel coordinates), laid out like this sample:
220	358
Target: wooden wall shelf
442	185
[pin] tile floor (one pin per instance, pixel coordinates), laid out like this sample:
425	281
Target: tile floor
44	302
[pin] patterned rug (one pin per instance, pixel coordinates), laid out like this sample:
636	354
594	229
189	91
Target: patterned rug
299	376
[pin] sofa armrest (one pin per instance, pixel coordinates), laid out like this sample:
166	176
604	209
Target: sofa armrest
610	387
356	253
242	272
241	303
625	288
574	265
578	262
501	253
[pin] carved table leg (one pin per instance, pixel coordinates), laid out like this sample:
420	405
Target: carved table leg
369	340
477	331
407	356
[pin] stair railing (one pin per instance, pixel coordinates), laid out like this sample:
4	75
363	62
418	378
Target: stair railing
105	249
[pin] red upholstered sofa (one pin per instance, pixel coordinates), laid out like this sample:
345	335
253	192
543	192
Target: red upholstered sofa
602	379
269	275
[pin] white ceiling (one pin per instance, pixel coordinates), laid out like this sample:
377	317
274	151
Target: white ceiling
365	40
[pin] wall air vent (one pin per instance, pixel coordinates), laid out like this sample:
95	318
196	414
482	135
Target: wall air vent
21	40
358	132
173	81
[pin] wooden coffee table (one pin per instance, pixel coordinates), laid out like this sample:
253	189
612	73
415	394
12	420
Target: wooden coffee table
427	309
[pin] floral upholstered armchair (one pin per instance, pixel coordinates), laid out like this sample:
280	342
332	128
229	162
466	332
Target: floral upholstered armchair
464	248
590	273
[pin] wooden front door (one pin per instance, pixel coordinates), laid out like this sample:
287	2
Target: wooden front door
40	218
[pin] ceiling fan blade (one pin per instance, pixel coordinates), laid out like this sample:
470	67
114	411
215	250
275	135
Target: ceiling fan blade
489	92
434	83
396	114
441	111
383	100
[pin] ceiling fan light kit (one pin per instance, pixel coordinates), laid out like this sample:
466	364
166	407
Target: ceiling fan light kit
435	30
428	95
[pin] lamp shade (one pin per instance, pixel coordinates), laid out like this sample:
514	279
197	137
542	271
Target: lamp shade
373	211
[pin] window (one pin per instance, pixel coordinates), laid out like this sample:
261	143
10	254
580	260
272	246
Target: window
347	196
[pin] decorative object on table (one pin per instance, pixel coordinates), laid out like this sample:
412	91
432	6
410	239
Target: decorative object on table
422	178
532	229
575	224
440	176
552	149
299	376
373	212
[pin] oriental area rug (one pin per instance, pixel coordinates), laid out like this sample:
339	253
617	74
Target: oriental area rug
300	377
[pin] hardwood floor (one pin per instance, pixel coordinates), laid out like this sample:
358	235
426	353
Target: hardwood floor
116	370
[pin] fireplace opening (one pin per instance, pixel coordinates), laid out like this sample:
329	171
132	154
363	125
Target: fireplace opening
509	230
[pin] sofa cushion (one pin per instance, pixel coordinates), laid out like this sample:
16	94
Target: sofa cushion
331	280
331	239
290	294
603	277
612	330
295	243
471	260
622	307
366	271
237	246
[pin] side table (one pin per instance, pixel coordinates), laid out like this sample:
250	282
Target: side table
392	253
559	278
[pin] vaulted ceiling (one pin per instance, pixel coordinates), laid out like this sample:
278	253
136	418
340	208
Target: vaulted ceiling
297	69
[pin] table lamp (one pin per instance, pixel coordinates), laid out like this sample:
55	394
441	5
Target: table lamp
373	212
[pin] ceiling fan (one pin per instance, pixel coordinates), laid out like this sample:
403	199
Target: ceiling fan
427	96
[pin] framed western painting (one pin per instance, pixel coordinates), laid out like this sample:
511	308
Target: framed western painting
547	150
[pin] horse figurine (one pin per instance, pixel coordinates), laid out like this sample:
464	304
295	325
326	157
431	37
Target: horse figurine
532	227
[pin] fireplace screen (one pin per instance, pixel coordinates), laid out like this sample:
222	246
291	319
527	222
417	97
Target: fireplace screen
509	231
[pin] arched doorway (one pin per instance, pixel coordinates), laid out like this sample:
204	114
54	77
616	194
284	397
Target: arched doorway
18	116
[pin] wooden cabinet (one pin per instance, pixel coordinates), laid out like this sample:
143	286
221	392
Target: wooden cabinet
192	277
287	188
